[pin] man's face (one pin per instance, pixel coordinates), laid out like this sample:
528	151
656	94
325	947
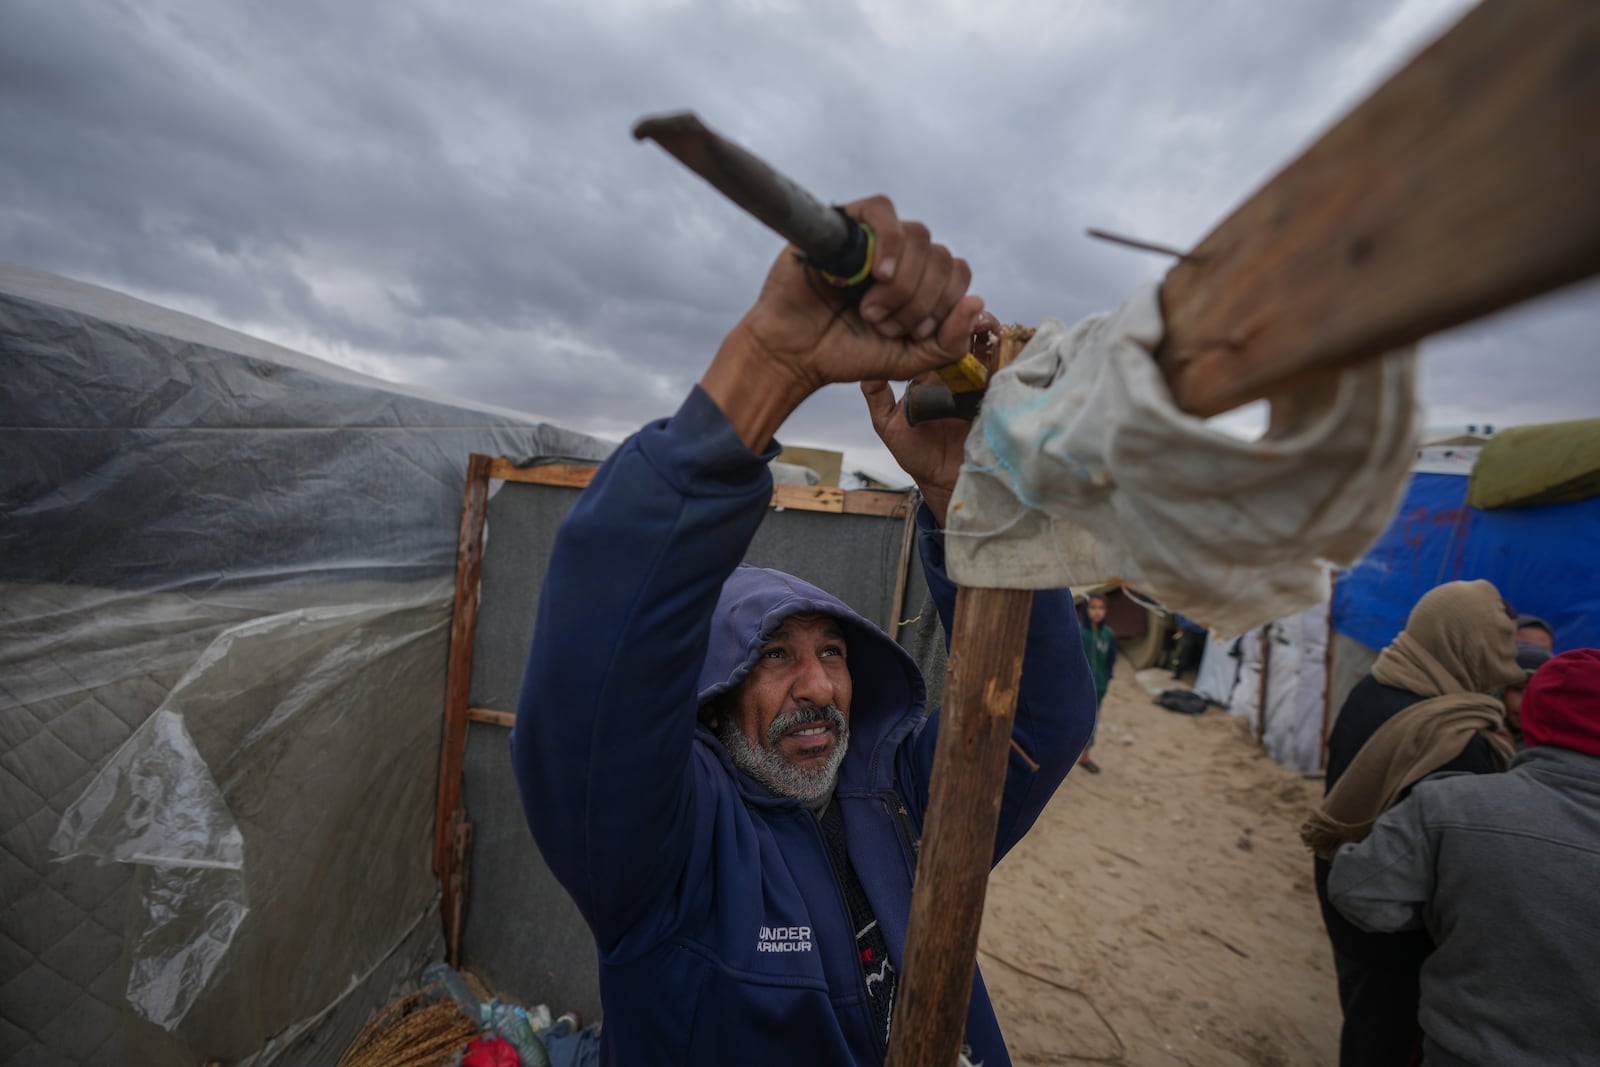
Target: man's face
1096	610
790	717
1536	635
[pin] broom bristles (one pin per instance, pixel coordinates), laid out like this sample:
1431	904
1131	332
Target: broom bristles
407	1033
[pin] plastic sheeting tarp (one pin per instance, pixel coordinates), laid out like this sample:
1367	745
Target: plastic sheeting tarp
1219	670
1295	689
225	579
1542	559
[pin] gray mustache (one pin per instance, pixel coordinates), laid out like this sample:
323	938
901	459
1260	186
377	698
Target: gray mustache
805	716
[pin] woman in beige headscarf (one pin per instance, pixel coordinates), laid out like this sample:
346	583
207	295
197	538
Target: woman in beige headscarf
1430	704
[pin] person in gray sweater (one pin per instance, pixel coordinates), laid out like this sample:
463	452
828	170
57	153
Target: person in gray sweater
1502	871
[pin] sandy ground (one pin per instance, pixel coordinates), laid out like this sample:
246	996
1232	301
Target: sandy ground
1162	912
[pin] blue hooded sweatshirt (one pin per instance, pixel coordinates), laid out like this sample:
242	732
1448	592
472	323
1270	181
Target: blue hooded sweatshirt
722	929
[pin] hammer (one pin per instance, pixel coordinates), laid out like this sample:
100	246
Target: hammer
834	244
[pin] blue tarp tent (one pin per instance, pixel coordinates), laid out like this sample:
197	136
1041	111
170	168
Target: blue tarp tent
1544	560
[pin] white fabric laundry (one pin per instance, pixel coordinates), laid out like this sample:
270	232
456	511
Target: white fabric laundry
1081	469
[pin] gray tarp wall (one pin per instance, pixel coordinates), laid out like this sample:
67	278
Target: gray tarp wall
225	581
522	933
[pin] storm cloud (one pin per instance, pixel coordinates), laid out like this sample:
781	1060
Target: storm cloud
447	195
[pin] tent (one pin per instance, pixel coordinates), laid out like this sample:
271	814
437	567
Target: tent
227	572
1541	556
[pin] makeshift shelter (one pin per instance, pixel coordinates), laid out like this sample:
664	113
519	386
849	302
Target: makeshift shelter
1541	556
227	572
1537	545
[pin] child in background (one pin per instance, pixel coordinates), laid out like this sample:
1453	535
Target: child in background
1100	647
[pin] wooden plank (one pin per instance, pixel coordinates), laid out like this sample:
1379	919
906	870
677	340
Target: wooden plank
450	838
1327	677
808	498
799	497
988	637
1262	692
507	719
884	502
986	647
455	893
1463	185
571	475
903	562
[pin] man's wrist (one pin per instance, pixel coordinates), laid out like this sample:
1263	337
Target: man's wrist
755	392
937	499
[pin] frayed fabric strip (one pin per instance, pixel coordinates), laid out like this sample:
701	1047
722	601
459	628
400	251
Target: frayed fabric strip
1081	470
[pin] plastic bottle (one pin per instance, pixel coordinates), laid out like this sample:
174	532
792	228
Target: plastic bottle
538	1017
566	1024
510	1021
440	980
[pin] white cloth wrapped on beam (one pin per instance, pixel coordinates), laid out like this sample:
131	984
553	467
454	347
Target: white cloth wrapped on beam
1081	469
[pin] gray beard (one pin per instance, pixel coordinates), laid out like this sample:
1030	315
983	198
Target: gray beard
772	769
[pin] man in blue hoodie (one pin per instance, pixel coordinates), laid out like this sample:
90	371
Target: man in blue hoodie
727	767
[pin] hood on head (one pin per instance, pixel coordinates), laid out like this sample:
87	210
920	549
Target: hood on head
1468	630
1533	622
1561	705
886	685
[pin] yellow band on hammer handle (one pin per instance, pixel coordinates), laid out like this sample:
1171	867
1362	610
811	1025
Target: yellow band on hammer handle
965	375
866	267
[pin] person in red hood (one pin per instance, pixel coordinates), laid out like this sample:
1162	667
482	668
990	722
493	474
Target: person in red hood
1501	870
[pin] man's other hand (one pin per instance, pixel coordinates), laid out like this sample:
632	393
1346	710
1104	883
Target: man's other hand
931	451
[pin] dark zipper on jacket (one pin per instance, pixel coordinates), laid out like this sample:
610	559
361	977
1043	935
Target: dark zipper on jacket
879	1041
910	844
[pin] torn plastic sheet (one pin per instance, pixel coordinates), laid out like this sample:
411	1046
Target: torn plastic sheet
156	804
1081	470
192	917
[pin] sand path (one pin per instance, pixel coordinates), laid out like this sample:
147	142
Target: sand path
1162	912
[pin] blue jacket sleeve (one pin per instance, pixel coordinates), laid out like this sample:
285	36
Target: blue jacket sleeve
1055	701
605	722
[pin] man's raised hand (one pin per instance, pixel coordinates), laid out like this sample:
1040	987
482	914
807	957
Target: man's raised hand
799	335
930	451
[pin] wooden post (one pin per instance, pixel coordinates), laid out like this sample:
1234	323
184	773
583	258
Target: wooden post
1463	185
451	834
980	704
897	604
1261	697
1327	677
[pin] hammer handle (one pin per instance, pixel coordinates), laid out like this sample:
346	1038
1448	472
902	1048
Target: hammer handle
832	241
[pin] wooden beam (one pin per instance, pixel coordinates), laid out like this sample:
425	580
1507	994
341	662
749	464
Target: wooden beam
571	475
902	568
451	836
1327	677
988	637
1263	691
808	498
986	647
799	497
884	502
1463	185
507	719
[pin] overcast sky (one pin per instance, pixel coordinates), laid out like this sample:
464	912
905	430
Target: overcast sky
447	194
